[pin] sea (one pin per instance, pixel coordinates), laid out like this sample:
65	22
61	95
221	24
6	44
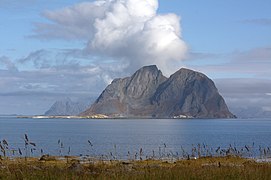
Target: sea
133	138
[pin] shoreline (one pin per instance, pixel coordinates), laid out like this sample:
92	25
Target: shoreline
102	116
98	116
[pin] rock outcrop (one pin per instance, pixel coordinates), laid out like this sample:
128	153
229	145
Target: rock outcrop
149	94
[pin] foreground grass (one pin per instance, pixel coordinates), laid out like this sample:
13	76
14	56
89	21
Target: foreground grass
204	168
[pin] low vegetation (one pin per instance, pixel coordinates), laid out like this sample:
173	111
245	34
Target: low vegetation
72	168
201	162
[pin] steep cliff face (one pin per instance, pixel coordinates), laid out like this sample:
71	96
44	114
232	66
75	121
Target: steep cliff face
147	93
189	93
128	96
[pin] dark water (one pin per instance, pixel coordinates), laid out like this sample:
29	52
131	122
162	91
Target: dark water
119	136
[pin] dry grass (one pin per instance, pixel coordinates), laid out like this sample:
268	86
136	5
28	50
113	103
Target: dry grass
71	168
212	163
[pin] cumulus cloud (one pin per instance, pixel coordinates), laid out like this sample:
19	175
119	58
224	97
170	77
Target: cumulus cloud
129	32
71	23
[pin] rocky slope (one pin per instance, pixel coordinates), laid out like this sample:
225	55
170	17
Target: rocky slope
147	93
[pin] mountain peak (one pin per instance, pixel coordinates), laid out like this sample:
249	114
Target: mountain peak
148	71
149	68
147	93
188	72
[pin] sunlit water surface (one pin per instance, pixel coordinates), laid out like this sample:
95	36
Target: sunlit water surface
118	136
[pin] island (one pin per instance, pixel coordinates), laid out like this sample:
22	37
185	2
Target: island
149	94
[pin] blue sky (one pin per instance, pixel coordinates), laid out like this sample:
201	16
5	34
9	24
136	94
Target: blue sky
48	50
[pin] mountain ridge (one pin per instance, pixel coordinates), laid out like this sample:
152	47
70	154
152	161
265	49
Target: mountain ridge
147	93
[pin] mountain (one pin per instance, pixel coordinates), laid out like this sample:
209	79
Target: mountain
67	107
149	94
250	112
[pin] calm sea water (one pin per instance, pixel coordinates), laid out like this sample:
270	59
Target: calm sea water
118	136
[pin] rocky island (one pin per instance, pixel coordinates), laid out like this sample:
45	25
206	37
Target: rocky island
67	107
149	94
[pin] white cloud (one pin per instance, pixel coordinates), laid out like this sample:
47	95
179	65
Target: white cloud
71	23
129	32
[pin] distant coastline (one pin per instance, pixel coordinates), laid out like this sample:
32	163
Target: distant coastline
65	117
97	116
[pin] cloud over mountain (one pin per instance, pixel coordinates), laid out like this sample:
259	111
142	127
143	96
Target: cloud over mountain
130	32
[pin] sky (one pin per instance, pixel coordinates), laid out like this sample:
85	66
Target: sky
50	50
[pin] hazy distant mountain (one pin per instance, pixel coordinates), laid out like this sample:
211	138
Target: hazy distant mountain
250	112
68	107
7	115
147	93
